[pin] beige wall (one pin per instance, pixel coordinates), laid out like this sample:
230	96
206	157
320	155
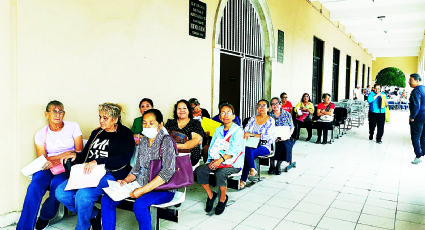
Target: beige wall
9	166
408	65
301	22
87	52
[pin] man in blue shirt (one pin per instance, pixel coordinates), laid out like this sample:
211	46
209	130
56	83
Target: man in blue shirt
376	113
417	116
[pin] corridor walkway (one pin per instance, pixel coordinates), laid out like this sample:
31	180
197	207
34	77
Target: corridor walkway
353	183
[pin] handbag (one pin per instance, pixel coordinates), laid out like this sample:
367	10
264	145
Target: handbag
180	138
387	114
183	175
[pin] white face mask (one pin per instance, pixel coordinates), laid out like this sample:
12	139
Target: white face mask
150	132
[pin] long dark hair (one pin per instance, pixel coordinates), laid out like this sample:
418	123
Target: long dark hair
309	98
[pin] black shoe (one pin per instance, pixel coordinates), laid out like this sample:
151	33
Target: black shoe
370	137
277	169
41	224
308	139
379	142
271	170
221	206
96	223
324	142
210	202
318	141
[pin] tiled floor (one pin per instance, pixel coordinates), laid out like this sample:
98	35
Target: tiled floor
353	183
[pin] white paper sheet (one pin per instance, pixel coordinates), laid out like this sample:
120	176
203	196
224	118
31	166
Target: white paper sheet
284	132
77	178
117	192
252	142
35	166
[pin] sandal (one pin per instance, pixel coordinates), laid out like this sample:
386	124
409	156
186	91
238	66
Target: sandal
252	173
242	184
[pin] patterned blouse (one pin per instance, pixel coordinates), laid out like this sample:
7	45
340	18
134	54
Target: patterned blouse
148	153
266	130
284	119
193	126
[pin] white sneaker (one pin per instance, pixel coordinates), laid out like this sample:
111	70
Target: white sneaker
416	161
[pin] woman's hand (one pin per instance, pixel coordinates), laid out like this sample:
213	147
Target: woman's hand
122	182
138	192
246	136
48	165
213	165
89	167
71	155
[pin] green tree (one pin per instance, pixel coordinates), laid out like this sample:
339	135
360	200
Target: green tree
391	76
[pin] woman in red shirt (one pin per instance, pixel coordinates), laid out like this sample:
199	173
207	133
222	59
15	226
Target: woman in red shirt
325	111
286	105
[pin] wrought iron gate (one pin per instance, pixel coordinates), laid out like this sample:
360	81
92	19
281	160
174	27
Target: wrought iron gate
241	35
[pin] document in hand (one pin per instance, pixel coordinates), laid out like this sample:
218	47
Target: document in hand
35	166
77	178
284	132
117	192
252	142
209	125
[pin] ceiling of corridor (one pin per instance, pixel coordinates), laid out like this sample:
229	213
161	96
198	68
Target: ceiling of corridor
387	28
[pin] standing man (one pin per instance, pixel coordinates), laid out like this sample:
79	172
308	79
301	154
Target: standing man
417	116
376	113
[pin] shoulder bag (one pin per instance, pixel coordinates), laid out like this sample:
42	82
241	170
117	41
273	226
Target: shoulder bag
180	138
183	175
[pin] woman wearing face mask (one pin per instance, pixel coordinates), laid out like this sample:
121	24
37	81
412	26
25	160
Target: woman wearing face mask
150	144
112	145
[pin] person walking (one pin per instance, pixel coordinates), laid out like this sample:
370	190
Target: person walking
376	116
417	116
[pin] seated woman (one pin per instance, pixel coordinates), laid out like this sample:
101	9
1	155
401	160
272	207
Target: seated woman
303	109
223	162
217	117
281	118
112	144
144	105
198	112
54	141
260	126
184	123
150	144
286	105
323	125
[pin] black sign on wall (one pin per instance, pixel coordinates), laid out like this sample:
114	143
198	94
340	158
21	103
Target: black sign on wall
197	18
280	45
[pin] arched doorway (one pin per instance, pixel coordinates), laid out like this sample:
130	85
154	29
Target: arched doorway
242	54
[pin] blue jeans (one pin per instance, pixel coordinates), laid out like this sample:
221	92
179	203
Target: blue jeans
140	208
81	201
40	183
417	134
250	155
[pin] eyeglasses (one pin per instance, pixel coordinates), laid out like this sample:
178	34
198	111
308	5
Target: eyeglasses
54	112
224	114
262	106
284	97
275	104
